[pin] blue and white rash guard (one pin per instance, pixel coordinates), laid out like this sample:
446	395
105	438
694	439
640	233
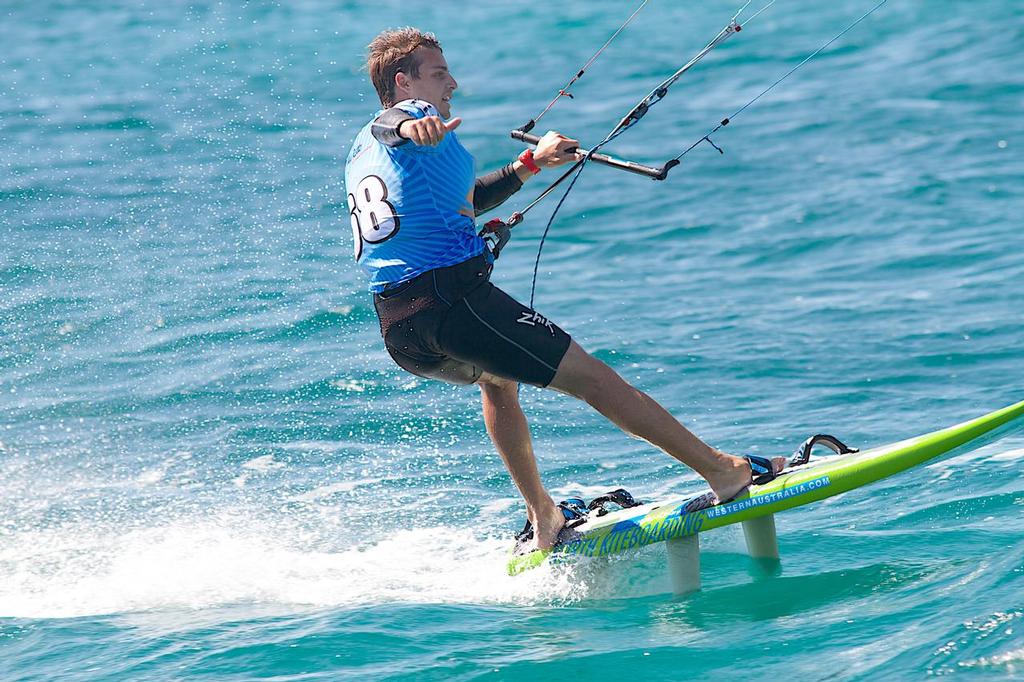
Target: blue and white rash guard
411	206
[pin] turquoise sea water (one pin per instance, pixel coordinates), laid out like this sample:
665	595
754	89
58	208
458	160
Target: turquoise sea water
209	468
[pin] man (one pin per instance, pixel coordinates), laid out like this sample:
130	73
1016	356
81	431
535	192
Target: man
413	202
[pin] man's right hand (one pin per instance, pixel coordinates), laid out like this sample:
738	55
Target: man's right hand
427	131
555	149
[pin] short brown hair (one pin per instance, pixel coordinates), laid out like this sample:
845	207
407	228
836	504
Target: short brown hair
391	52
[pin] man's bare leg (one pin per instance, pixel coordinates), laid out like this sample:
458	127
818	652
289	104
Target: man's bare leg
507	427
585	377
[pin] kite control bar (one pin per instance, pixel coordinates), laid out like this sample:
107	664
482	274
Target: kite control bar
605	160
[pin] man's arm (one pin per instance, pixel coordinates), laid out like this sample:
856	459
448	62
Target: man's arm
493	189
394	127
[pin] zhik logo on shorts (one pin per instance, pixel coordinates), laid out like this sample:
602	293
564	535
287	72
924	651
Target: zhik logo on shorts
533	318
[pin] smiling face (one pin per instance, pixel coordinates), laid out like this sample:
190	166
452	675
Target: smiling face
433	83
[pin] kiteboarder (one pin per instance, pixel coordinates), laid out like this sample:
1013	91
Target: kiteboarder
413	202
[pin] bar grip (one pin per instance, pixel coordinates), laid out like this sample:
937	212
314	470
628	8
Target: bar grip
525	137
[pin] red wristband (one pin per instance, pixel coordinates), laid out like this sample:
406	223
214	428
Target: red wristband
526	158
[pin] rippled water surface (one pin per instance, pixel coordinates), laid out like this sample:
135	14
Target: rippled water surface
209	468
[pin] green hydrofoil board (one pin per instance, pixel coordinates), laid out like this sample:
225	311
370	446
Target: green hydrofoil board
646	524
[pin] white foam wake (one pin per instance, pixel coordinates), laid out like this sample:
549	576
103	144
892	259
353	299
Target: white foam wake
190	563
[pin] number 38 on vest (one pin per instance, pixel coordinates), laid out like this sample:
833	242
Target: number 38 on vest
373	216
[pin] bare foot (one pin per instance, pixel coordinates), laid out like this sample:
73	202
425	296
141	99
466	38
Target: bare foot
736	475
546	525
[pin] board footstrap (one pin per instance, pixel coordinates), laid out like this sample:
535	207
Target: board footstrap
619	496
803	453
576	511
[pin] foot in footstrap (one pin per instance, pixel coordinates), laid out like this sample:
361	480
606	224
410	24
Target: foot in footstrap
573	509
761	471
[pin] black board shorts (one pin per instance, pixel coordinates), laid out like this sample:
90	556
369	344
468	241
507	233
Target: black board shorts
452	324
